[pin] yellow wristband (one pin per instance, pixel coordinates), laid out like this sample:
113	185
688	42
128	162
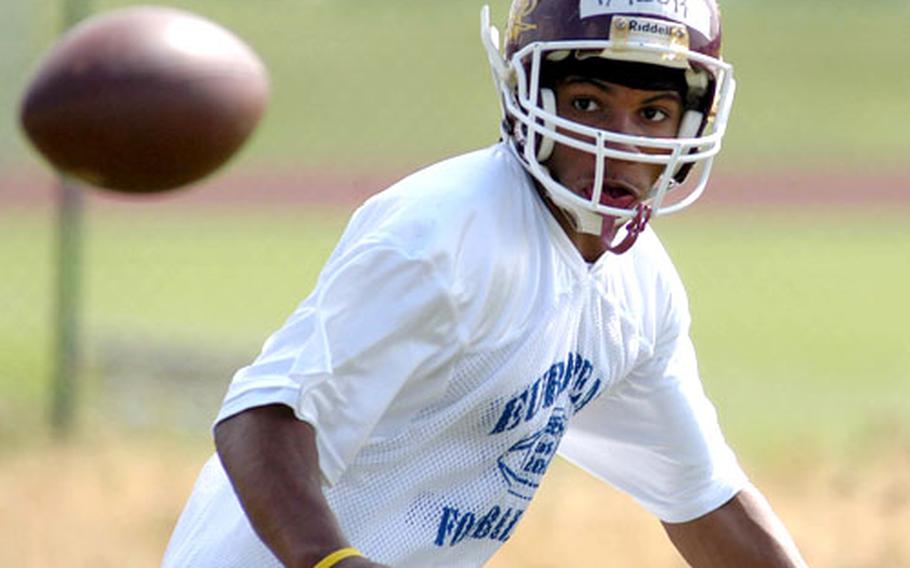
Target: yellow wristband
337	556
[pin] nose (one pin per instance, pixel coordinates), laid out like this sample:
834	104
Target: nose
621	123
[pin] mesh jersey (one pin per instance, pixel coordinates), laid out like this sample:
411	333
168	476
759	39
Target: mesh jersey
454	337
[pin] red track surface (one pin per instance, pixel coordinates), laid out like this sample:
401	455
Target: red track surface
263	189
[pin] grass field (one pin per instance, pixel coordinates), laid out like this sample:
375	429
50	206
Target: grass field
367	84
789	317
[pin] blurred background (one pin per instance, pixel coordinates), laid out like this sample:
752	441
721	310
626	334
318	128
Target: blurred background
796	262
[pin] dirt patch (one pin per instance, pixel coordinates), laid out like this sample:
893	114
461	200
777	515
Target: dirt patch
841	515
90	505
114	503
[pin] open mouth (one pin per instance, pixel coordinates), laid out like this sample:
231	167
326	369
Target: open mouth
617	194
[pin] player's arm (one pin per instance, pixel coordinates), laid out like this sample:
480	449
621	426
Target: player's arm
272	461
744	532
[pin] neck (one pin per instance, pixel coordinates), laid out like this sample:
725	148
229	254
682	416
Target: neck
589	245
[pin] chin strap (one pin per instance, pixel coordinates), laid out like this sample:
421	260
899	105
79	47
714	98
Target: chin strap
633	228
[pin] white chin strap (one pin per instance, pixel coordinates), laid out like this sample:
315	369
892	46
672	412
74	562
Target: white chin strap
584	220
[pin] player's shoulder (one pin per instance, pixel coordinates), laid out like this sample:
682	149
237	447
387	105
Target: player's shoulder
646	275
473	222
471	182
484	165
650	257
658	279
458	203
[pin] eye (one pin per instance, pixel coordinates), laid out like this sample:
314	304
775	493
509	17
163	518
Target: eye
654	114
585	104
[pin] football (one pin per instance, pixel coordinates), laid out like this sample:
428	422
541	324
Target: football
144	99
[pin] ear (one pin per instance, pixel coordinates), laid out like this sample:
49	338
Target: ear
548	102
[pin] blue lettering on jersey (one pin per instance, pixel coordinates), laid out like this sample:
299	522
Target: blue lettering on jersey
523	465
564	388
573	374
456	525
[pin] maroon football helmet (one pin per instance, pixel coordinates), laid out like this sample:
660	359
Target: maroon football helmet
675	39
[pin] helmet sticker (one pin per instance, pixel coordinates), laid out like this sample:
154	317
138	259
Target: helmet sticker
628	31
521	9
693	13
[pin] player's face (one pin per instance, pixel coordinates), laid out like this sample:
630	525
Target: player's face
608	106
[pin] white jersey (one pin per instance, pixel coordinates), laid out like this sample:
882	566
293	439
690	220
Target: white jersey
454	339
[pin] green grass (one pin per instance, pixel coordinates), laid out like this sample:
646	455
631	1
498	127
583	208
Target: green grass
360	85
207	279
213	286
799	326
817	86
25	305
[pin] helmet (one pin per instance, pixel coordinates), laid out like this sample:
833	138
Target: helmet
679	38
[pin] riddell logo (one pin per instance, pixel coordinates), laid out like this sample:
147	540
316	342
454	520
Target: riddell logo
645	27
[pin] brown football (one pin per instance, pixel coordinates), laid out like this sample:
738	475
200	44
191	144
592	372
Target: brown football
144	99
